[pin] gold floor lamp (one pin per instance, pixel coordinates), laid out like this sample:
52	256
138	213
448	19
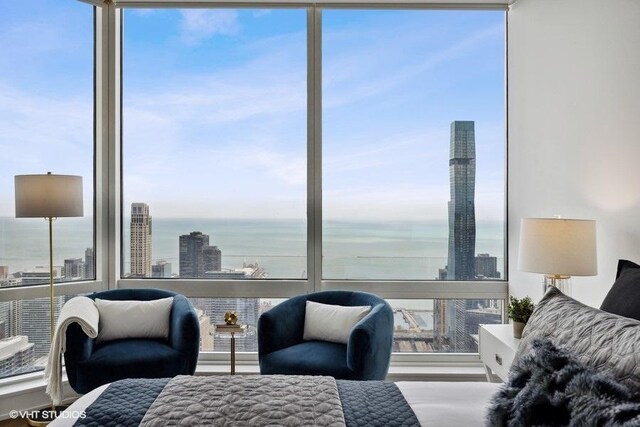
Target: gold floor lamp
48	196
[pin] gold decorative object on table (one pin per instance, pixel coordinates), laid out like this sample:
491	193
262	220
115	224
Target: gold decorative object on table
230	318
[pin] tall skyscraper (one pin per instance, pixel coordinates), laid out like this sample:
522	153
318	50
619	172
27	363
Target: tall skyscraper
140	240
451	329
89	264
462	218
191	254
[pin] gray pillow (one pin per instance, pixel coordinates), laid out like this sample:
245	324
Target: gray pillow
603	341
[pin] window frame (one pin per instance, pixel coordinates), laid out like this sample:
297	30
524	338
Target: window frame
108	26
279	288
100	237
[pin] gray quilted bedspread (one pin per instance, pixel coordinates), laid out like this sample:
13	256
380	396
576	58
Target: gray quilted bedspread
274	400
603	341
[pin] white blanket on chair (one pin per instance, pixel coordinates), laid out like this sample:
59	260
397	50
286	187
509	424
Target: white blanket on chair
80	310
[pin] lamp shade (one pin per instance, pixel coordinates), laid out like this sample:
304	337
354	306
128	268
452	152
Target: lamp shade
558	246
48	195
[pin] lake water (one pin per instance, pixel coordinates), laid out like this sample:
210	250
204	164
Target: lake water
383	250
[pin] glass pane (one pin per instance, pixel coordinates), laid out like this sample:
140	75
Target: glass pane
214	143
442	325
211	312
413	144
46	124
25	334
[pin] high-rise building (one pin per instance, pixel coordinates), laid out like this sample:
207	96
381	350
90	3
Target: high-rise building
451	329
141	228
462	218
212	258
40	275
89	264
487	267
5	312
4	271
197	258
16	355
33	320
161	269
13	313
191	255
74	269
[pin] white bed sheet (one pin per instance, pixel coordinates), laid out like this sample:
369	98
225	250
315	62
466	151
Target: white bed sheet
448	404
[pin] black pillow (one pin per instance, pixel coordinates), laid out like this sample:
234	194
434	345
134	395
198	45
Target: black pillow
624	297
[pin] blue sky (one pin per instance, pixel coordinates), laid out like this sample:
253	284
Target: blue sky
215	107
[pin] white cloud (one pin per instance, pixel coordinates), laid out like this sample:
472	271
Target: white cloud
354	75
197	25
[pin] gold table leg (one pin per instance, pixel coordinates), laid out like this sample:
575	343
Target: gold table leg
233	353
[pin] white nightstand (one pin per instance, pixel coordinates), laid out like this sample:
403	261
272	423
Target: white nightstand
497	348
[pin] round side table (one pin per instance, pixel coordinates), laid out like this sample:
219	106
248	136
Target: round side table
247	332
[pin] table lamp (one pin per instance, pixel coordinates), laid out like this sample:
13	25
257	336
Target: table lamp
48	196
558	248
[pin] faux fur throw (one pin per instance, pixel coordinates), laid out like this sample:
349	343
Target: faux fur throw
549	387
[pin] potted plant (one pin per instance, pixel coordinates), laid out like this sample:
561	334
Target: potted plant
519	310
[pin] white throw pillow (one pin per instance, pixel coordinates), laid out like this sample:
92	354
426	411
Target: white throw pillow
133	319
332	323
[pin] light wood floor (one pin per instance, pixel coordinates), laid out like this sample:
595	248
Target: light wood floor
14	423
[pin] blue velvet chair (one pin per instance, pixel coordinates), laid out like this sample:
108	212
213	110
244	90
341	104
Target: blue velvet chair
281	349
90	365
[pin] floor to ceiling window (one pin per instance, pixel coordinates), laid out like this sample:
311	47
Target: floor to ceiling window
263	149
225	113
413	140
46	125
214	144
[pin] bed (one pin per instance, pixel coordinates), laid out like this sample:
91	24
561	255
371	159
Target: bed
575	364
280	400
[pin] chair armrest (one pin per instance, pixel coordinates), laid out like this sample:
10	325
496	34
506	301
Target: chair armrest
184	330
369	345
282	326
79	348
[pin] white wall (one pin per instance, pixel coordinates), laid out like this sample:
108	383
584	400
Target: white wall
574	128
